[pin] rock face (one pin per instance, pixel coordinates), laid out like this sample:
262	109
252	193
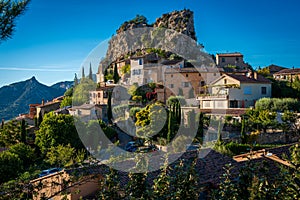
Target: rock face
180	21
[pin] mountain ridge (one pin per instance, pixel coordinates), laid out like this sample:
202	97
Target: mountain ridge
16	97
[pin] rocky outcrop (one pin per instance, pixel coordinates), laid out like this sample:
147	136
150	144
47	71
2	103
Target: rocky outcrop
180	21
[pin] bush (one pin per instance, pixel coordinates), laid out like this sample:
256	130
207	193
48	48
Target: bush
277	104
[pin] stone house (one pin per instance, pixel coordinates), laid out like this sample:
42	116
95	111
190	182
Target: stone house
45	108
232	91
287	74
235	59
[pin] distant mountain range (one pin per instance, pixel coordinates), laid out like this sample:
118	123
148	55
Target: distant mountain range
15	98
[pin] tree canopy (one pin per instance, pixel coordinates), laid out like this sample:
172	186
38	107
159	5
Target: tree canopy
9	11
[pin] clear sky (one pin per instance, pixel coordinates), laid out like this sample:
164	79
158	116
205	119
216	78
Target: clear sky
53	38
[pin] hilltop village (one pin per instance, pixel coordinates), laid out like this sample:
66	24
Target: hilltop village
244	125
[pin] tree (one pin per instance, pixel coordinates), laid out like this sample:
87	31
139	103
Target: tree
56	130
10	10
24	152
90	72
2	124
64	155
75	80
69	92
23	131
81	91
82	73
67	101
243	131
10	166
10	134
109	108
110	186
116	76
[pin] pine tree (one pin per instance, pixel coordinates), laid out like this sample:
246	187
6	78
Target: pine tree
220	131
82	73
105	75
170	127
75	80
200	132
91	73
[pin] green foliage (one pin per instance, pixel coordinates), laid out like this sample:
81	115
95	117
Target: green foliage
116	76
75	81
69	92
125	69
24	152
56	130
23	131
109	108
175	99
133	111
132	89
81	91
110	186
10	166
137	98
67	101
277	104
10	134
260	119
63	156
285	89
264	71
91	72
119	111
10	10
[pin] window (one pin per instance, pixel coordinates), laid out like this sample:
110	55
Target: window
171	86
105	94
225	81
215	74
171	75
233	104
136	72
94	95
99	95
140	61
202	83
186	75
263	90
247	90
237	59
199	74
185	84
223	59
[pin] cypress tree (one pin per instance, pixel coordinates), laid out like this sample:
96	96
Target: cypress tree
219	131
91	73
82	73
243	132
40	119
109	108
116	76
75	80
169	126
23	131
105	74
200	126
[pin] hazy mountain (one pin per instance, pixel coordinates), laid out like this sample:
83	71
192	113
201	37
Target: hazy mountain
15	98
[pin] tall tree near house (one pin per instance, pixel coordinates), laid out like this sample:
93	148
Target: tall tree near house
90	72
116	76
23	131
10	10
109	108
243	131
200	132
75	80
105	74
82	73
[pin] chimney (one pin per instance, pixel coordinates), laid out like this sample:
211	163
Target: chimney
255	75
43	102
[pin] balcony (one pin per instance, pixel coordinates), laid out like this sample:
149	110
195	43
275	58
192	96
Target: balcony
211	97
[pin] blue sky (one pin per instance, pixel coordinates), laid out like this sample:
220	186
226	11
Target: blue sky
53	38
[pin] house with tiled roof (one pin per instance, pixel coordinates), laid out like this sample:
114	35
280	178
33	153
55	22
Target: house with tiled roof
233	59
287	74
234	91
